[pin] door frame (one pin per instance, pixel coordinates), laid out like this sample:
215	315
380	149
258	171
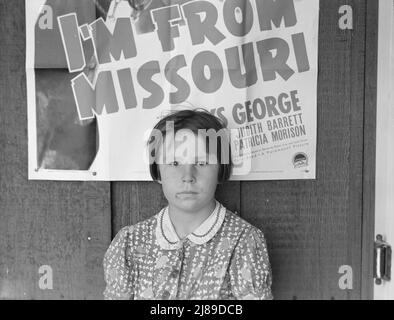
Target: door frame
384	183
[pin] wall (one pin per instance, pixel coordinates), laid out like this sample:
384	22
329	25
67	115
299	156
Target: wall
312	227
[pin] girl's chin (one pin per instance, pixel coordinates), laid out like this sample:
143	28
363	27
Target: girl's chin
187	204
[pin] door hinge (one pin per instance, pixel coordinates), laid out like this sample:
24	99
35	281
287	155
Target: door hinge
382	257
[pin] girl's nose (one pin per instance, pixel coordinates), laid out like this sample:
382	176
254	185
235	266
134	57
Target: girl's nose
188	173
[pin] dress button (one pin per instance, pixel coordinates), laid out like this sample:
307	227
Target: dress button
174	273
166	295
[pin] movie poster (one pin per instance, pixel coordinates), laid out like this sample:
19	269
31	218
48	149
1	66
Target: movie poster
100	74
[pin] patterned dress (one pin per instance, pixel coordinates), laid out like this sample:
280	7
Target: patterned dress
224	258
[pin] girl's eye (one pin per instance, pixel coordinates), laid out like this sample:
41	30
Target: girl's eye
174	164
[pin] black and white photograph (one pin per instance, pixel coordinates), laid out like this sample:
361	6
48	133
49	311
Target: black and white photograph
196	150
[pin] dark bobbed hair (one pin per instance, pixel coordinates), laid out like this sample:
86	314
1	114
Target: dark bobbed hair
193	120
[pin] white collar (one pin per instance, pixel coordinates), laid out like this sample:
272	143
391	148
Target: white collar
168	239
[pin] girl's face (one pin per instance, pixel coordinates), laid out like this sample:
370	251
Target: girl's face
188	181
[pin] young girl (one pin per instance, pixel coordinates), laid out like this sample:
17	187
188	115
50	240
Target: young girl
194	248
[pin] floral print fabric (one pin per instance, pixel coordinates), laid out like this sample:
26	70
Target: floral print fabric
225	258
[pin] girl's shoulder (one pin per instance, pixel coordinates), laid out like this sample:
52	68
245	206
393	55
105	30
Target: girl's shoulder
233	223
247	239
143	227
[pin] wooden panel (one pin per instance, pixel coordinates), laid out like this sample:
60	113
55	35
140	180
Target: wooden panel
229	194
134	201
65	225
314	227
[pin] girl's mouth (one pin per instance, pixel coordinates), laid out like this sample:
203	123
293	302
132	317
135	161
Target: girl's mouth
187	192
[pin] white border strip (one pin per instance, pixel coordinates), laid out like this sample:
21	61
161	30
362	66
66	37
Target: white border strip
384	189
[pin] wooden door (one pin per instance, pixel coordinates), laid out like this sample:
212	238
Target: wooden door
313	227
